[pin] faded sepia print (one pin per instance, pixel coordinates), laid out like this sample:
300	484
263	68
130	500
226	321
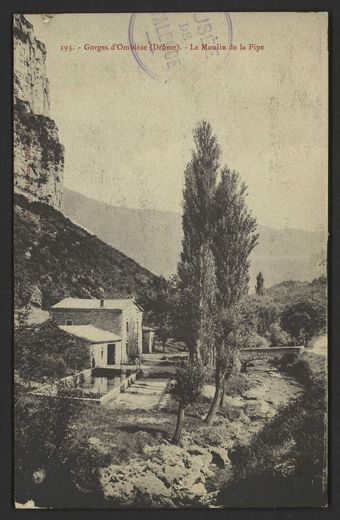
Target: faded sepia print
170	242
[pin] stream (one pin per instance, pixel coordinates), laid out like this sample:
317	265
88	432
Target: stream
272	389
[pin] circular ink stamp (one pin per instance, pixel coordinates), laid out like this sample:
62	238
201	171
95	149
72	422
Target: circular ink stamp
172	44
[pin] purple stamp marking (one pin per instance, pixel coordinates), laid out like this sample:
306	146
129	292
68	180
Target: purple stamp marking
166	43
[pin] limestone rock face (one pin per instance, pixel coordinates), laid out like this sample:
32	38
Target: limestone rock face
30	81
170	477
38	153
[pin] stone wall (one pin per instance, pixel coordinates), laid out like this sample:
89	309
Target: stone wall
106	319
38	153
133	337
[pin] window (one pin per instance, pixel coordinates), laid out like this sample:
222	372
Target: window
69	322
127	326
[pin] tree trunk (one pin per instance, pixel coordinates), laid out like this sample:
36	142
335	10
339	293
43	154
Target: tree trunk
179	425
217	396
222	397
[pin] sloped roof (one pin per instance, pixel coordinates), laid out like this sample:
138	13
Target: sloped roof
93	303
90	333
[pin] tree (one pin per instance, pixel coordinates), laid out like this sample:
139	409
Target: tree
196	269
45	352
303	319
234	238
158	298
187	390
259	288
277	336
256	341
267	313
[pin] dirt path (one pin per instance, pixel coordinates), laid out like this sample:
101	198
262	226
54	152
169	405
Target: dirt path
144	394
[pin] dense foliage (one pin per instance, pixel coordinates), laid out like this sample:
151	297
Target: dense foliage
189	381
54	465
259	288
158	298
285	463
57	258
285	293
186	390
303	319
46	353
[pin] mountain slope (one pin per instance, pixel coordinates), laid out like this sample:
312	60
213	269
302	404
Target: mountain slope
153	238
55	258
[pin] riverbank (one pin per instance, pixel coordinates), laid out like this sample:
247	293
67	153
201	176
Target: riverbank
148	471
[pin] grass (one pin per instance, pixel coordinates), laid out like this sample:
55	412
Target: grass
124	433
307	368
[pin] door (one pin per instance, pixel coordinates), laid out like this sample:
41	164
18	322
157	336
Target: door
111	354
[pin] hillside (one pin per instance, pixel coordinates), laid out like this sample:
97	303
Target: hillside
55	258
153	238
291	291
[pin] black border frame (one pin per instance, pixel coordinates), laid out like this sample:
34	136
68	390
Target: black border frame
7	9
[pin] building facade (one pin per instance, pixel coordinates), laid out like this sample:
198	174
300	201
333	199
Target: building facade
113	328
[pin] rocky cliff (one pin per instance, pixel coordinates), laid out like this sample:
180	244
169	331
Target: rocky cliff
38	153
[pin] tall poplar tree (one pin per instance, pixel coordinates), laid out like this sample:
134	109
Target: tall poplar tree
196	270
234	237
259	287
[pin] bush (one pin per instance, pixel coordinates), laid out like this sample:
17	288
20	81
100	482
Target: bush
304	318
200	407
206	436
237	384
54	465
285	463
45	352
305	368
189	381
256	341
277	336
232	413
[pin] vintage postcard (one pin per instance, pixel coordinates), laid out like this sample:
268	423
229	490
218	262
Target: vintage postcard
170	241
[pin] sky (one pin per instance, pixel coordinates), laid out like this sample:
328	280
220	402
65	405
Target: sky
128	133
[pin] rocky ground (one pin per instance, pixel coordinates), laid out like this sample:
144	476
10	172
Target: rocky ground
164	475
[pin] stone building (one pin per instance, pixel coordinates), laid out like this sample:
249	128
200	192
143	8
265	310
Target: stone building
112	328
148	339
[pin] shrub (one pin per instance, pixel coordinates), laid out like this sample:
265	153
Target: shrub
46	352
187	390
287	457
256	341
54	465
200	407
305	368
206	436
304	318
237	384
277	336
189	381
232	413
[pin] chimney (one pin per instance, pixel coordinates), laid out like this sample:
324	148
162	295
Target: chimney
102	303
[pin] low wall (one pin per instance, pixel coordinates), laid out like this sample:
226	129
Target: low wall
113	394
81	376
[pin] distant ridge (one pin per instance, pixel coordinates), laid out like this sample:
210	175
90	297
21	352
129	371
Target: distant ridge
153	239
